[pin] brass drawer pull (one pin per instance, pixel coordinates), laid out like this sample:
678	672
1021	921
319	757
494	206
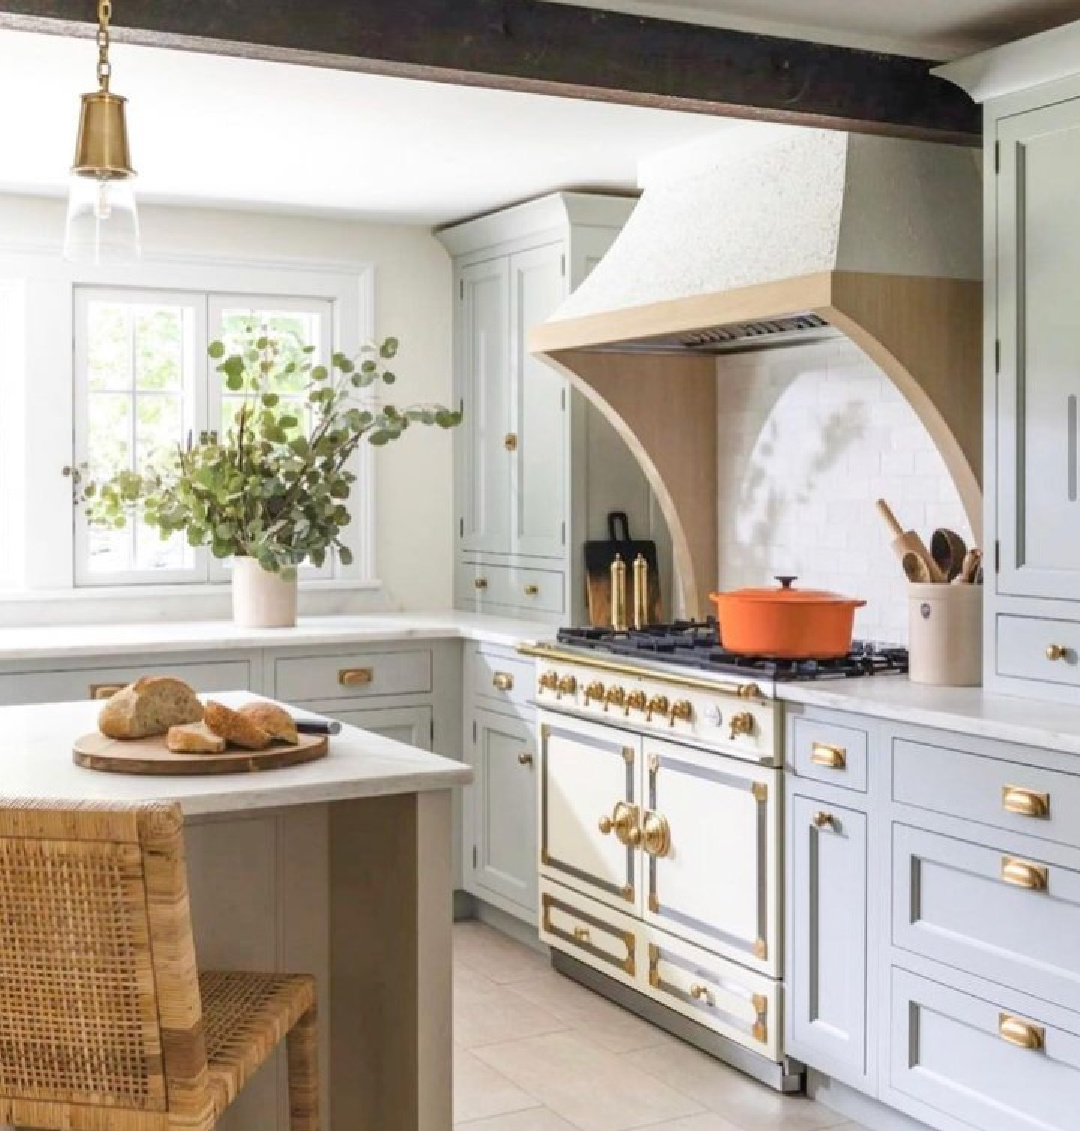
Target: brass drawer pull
823	820
581	934
480	583
701	993
1025	802
1024	874
355	677
502	681
525	759
832	757
1023	1034
532	590
105	690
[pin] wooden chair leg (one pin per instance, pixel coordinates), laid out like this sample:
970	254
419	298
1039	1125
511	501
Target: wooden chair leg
302	1054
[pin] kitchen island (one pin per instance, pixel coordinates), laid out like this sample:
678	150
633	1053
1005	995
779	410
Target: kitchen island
340	868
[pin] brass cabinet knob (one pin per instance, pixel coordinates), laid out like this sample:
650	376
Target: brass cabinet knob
623	822
655	834
635	701
1055	652
549	681
503	681
633	836
525	759
742	723
567	685
355	677
615	696
1025	802
532	590
480	583
105	690
1024	874
581	934
831	757
658	705
605	825
1023	1034
701	993
682	711
510	442
823	820
595	691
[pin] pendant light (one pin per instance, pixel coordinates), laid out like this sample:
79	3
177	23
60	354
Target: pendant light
102	221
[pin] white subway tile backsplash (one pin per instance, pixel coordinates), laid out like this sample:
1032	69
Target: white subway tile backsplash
809	438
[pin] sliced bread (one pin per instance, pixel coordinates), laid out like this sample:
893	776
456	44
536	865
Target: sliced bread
194	738
275	720
149	706
235	728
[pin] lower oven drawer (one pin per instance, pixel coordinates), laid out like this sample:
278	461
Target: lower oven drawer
590	932
982	1064
723	996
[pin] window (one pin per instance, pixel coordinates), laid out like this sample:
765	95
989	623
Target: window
143	382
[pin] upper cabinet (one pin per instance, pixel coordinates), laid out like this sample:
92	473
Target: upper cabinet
537	468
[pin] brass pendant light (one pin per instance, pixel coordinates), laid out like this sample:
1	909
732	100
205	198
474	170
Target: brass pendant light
102	220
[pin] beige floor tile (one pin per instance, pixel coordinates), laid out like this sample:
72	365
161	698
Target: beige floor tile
470	984
592	1088
480	1091
489	1018
535	1119
586	1012
706	1121
736	1097
498	958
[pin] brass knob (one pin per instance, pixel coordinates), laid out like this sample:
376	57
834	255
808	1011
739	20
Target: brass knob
615	696
503	681
532	590
525	759
567	685
633	836
549	681
605	825
595	690
1055	652
658	705
480	583
700	993
682	710
635	701
581	934
510	441
623	822
823	820
742	723
656	834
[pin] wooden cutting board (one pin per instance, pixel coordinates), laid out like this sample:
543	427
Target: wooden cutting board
151	756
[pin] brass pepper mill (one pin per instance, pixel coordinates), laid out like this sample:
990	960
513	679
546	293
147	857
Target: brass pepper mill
641	591
618	594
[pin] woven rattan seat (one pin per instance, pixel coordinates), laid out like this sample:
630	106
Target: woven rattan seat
105	1024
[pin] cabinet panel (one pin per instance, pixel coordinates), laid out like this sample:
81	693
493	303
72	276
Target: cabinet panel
411	725
590	932
537	287
352	675
829	752
827	983
484	374
1038	256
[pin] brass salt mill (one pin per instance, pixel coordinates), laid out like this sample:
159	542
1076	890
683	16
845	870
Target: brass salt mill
618	594
641	591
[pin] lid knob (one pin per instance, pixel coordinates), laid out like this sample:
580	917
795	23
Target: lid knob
786	580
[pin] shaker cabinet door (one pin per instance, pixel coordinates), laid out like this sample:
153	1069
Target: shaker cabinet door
1038	384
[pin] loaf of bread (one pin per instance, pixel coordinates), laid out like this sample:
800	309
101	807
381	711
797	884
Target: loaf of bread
194	738
149	706
235	728
275	720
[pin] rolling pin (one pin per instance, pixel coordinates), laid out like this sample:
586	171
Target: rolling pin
908	542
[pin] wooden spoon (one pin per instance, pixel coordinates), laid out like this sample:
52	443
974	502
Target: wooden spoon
907	541
916	569
947	549
969	572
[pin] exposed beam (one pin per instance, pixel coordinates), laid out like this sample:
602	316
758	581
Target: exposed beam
547	48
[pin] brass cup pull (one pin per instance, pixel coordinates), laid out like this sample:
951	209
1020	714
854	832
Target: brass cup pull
1024	874
1055	652
503	681
1025	802
832	757
1023	1034
655	834
105	690
581	934
510	442
701	993
532	590
823	820
355	677
480	583
525	759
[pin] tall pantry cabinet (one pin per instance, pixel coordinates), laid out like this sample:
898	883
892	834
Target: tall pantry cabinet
537	468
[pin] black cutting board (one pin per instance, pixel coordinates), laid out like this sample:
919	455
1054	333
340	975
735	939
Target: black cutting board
598	558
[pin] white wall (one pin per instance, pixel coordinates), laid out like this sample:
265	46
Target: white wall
413	302
809	438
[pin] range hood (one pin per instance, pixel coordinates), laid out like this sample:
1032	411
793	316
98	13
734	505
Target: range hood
765	236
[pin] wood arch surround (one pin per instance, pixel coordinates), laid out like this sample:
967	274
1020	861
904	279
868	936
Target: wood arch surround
924	333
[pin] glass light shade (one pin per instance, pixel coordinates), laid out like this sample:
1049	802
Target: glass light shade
102	220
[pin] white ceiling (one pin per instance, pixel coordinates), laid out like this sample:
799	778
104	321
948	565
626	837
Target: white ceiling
243	133
939	29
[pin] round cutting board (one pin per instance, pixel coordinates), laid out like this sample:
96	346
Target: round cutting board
152	756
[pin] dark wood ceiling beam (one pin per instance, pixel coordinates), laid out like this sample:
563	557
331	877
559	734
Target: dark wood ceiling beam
554	49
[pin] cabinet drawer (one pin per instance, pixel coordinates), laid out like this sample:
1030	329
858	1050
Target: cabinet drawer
827	752
501	677
354	675
96	683
991	909
993	791
720	995
1038	648
482	586
589	931
952	1052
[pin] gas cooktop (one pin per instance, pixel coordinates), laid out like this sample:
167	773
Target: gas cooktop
695	644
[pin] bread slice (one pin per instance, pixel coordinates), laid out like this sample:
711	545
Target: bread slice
275	720
194	738
235	728
149	706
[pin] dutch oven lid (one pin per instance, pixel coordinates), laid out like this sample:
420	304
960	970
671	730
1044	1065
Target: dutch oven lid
787	593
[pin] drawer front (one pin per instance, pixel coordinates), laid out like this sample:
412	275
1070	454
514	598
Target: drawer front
720	995
354	675
1007	795
828	752
1039	648
100	683
501	677
590	932
950	1052
483	586
988	909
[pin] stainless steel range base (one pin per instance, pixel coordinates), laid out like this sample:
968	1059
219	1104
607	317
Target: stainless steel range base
788	1076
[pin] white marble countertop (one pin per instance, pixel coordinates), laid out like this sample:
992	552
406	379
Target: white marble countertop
36	764
72	641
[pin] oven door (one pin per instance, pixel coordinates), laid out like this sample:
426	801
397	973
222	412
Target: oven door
590	809
711	851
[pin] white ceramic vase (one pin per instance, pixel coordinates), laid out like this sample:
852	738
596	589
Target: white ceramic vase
261	599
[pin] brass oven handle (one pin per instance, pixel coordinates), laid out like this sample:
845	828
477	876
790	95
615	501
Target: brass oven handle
105	690
1025	802
1023	1034
1024	874
502	681
525	759
355	677
832	757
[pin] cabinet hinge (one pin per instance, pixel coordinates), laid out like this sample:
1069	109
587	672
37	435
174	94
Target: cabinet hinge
461	289
474	730
997	356
475	857
461	528
564	533
432	730
997	557
562	400
997	156
562	264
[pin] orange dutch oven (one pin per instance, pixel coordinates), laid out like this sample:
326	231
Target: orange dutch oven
789	623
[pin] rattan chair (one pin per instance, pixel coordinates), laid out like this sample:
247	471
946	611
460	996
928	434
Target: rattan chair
105	1023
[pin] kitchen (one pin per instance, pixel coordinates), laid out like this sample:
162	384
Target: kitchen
819	877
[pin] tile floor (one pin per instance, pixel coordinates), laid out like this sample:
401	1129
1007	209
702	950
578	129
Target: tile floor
537	1052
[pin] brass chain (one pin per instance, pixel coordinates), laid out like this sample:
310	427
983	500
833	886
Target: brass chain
104	67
